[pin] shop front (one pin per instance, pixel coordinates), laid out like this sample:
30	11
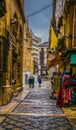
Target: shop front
73	76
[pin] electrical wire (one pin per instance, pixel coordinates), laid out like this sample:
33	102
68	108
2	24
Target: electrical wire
40	10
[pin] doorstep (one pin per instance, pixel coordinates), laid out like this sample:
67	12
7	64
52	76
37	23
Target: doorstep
70	113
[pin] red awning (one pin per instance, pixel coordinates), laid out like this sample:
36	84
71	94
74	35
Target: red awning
55	61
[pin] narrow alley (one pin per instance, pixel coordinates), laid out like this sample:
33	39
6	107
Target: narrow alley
33	109
37	64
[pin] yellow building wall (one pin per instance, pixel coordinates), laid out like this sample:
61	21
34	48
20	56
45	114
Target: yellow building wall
69	26
8	14
28	59
53	39
2	26
5	20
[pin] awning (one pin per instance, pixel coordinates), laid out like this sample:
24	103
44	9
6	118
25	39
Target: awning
53	37
73	59
55	61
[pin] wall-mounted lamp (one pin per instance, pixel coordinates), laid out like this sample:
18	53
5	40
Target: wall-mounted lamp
13	20
69	36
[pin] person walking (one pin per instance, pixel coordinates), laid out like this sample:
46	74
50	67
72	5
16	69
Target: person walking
32	81
29	82
39	81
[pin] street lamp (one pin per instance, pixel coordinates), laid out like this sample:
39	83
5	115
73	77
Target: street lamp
13	20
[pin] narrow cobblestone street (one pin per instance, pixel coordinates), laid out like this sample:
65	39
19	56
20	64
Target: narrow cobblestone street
35	112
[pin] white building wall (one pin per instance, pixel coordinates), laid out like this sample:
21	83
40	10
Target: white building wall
45	64
35	50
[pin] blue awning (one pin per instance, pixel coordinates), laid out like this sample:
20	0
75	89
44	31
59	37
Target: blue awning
73	59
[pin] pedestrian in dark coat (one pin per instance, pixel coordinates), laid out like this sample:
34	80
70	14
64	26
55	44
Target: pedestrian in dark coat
39	81
31	82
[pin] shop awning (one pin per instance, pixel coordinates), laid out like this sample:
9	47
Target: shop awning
73	59
55	61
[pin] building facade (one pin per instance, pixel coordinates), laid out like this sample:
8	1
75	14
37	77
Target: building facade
11	49
53	41
35	50
67	24
17	25
27	54
64	20
4	42
43	59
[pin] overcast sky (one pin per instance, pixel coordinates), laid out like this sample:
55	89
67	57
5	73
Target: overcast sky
40	22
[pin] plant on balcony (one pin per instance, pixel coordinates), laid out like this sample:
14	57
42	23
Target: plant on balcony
61	44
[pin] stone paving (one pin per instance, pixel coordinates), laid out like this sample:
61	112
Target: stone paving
36	112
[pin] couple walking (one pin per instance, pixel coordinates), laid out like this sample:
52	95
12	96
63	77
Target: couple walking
31	82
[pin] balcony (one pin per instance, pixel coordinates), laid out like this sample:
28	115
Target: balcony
35	52
35	47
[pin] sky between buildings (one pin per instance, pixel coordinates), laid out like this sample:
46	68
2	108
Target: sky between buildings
39	23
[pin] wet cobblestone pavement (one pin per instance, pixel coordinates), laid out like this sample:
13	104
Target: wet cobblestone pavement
16	122
36	112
